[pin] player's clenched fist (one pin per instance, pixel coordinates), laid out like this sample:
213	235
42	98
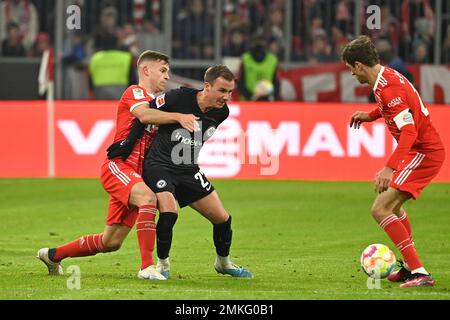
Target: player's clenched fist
359	117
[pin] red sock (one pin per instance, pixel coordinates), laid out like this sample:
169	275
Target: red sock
146	233
405	221
85	246
400	237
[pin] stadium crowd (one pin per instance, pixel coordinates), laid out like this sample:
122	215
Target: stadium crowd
318	29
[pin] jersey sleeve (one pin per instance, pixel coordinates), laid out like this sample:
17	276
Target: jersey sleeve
134	97
398	112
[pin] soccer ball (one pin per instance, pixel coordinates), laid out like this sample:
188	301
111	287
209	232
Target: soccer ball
263	88
378	261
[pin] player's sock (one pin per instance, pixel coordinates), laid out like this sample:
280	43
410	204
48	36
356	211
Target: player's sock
146	234
405	221
224	262
164	227
222	235
420	270
85	246
400	237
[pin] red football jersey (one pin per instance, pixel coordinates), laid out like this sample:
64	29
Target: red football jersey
133	97
402	108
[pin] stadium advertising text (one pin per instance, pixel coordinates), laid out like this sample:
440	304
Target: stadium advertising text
308	141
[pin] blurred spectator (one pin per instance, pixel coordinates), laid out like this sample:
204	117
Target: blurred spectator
23	13
111	70
107	29
298	53
390	28
42	43
338	40
411	12
343	17
150	37
420	53
258	74
316	27
321	50
275	32
74	52
193	28
76	84
235	46
12	45
423	36
257	15
128	39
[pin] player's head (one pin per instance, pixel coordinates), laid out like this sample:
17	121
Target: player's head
360	55
153	69
219	84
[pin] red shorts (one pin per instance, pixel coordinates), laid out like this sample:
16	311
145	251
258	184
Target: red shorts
117	179
416	171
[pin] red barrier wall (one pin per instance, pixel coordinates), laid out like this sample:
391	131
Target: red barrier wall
307	141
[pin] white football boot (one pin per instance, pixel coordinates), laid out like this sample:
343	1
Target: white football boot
54	268
223	265
150	273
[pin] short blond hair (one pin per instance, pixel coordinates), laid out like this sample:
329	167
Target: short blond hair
150	55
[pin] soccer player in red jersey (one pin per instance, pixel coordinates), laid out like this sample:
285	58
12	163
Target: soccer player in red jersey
131	200
414	163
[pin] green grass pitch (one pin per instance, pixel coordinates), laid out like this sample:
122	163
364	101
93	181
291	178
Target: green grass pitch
302	240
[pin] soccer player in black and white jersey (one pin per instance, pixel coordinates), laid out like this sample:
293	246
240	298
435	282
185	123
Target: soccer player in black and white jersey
172	172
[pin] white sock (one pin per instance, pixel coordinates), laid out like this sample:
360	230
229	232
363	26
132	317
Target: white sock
164	262
223	261
419	270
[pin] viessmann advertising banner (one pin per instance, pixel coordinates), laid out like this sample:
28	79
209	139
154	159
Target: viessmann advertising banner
305	141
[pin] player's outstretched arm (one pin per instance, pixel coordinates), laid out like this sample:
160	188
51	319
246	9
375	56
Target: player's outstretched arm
154	116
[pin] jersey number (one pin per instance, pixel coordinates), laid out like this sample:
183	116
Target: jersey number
205	184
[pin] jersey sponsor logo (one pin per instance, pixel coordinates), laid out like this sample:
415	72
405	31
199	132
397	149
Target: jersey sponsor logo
138	94
161	184
185	140
394	102
209	132
160	101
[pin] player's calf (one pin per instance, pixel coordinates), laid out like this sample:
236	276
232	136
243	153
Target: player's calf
164	233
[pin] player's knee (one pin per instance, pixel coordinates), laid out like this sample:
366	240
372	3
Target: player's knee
142	195
379	212
220	217
112	245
